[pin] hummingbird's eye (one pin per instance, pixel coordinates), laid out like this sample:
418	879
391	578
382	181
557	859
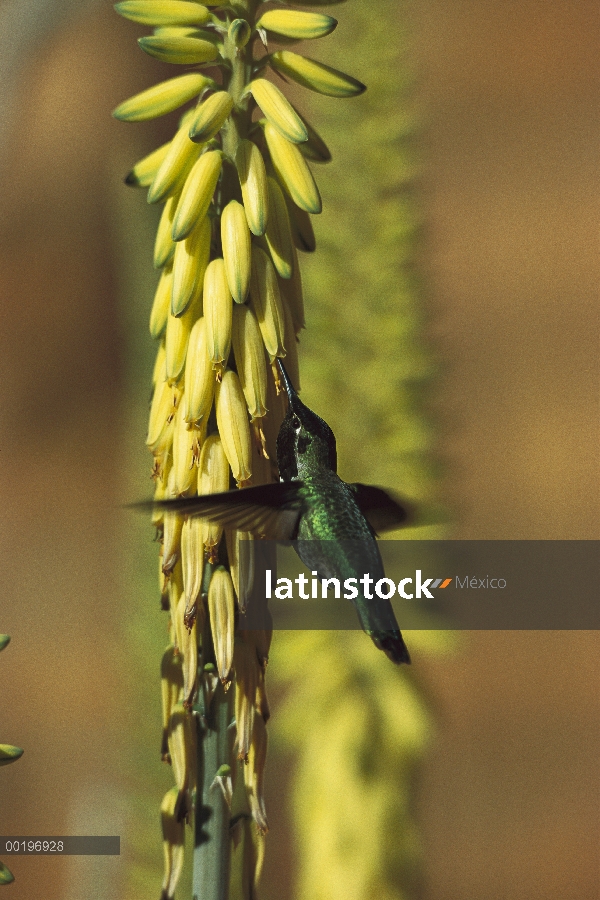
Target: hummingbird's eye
296	423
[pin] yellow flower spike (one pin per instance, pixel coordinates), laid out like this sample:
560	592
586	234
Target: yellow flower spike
213	478
210	116
162	98
188	647
246	679
235	240
240	553
315	76
183	454
291	343
163	12
249	353
181	51
234	427
221	608
253	181
189	266
303	235
173	830
177	336
176	165
173	523
162	303
218	311
171	682
254	774
278	110
291	294
192	558
199	376
301	26
292	171
144	171
279	234
164	246
197	193
266	303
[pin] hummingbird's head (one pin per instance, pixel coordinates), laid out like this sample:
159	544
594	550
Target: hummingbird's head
304	441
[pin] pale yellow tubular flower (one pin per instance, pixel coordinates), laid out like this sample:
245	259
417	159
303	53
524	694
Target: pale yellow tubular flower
266	303
192	563
218	312
234	427
292	171
246	679
163	12
173	524
162	302
182	750
164	245
183	454
262	641
254	774
173	830
158	514
277	409
163	407
197	193
177	336
240	553
291	342
162	98
176	165
235	240
221	608
278	110
174	589
199	376
189	265
171	682
188	648
210	116
144	171
253	181
291	293
315	76
159	371
213	478
262	701
181	51
249	353
301	26
303	234
279	234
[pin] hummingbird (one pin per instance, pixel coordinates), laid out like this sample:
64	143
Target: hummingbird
333	524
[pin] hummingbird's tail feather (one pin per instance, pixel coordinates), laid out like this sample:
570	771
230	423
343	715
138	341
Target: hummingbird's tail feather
392	644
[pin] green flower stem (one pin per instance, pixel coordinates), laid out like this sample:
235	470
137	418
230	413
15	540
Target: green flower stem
210	878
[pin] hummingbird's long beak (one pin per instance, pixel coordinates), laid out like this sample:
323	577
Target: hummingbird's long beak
289	387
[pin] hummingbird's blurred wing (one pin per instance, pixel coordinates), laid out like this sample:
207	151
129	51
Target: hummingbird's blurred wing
379	508
270	510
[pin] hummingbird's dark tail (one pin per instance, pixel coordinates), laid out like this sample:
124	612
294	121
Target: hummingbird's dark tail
392	644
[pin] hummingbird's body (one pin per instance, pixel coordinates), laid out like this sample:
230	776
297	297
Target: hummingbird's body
333	523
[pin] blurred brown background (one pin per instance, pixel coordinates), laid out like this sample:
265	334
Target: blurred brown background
509	796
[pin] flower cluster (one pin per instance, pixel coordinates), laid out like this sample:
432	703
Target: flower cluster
237	193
